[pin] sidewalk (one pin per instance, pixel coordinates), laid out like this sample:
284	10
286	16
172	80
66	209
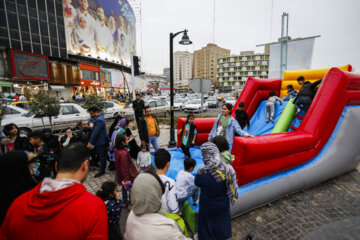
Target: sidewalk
163	139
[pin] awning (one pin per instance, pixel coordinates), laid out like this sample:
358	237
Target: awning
57	88
5	84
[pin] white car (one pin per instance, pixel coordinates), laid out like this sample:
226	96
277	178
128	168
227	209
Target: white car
195	106
12	112
230	100
112	109
179	103
70	115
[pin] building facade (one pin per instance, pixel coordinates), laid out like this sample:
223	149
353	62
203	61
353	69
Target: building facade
34	52
233	71
205	61
183	62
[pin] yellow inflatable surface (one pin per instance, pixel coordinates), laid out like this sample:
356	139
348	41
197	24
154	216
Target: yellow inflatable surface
290	77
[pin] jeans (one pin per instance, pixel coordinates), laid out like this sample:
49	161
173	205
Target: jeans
185	150
102	154
125	195
193	191
154	141
305	101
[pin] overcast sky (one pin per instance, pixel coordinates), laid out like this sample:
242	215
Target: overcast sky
242	24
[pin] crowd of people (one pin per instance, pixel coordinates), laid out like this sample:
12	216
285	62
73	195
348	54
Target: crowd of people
41	179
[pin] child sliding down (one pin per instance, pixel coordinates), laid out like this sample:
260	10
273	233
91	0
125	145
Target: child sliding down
270	106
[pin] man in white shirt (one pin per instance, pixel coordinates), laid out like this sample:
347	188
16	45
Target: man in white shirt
162	163
103	36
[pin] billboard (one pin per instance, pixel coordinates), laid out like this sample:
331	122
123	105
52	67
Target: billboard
29	65
299	56
89	75
104	29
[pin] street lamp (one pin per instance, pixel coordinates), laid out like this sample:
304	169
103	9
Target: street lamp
184	41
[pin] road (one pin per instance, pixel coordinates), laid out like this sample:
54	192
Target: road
208	112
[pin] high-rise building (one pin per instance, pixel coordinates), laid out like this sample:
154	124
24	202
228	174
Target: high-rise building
183	62
166	72
205	61
233	71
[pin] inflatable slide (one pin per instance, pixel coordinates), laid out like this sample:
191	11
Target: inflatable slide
324	144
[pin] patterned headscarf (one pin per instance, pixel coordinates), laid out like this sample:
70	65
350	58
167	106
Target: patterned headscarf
219	170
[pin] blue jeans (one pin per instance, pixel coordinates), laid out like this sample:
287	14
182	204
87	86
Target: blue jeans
193	192
305	101
102	154
154	141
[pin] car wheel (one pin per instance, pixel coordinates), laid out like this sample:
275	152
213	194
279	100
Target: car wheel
25	131
166	114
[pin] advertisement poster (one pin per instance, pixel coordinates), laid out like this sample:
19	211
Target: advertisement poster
104	29
29	65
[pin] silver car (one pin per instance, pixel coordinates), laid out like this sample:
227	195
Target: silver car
159	107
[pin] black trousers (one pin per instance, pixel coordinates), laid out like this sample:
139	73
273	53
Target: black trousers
185	150
115	232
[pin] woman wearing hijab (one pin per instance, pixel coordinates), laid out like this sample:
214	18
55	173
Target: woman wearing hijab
15	178
115	130
146	215
218	184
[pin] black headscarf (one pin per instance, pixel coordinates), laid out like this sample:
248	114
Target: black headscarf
15	179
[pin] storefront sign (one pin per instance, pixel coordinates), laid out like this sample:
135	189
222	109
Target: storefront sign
117	79
105	78
29	65
89	75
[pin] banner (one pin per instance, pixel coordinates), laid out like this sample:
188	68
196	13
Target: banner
29	65
117	79
105	77
299	56
104	29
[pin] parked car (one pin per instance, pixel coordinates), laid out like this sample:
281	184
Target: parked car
230	100
70	115
22	104
158	107
13	111
179	103
212	102
195	106
112	109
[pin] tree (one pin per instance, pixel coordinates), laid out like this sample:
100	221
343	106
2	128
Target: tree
45	106
94	100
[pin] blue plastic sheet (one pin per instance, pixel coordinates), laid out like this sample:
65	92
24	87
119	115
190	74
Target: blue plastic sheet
258	124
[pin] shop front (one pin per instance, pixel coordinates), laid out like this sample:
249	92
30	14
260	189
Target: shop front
106	87
89	81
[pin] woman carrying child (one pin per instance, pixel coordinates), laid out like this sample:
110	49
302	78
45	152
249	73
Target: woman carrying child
113	204
188	135
218	185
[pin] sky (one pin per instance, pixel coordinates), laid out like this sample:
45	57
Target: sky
240	25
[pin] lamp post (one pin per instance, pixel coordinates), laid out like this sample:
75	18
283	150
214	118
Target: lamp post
184	41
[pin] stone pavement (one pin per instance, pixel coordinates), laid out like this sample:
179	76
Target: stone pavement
292	217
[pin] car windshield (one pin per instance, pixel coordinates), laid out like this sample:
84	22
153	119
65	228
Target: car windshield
231	98
179	100
212	99
28	114
195	101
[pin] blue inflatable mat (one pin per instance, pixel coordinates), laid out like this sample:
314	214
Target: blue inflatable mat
177	164
258	124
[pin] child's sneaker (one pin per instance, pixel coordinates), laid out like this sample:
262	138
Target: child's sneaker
297	112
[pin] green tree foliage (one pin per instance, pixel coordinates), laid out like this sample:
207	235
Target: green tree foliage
45	106
94	100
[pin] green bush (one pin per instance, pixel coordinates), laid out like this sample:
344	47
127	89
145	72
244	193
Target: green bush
94	100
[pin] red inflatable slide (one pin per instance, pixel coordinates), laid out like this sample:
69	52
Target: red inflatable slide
261	156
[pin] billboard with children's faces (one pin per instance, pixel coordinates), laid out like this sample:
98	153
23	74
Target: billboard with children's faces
102	29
